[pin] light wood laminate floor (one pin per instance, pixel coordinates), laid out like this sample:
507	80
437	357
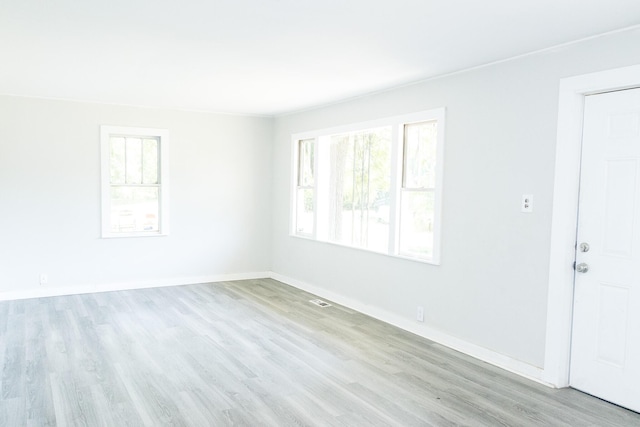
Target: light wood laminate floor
252	353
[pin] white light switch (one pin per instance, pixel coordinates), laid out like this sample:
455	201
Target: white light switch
527	203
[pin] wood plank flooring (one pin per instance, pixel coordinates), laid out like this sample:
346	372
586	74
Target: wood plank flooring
252	353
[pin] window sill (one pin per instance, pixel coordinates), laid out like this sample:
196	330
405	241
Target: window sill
125	235
404	257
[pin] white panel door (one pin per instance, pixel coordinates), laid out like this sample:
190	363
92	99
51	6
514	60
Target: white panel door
605	349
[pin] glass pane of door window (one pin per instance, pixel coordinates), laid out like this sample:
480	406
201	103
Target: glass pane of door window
416	223
420	155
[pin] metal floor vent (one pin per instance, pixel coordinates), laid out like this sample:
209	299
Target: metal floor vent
320	303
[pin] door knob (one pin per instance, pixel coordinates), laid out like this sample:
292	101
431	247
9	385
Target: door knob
584	247
582	267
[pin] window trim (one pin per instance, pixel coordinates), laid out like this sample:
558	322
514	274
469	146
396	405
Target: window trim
396	183
106	132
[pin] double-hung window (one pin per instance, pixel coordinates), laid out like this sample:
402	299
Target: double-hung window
305	187
135	187
418	189
374	185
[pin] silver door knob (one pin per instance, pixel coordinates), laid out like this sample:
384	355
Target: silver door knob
582	267
584	247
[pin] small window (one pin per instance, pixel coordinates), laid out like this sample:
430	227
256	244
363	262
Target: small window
417	213
305	187
135	195
374	185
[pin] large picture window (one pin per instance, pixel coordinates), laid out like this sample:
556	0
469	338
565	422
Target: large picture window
374	186
359	177
134	182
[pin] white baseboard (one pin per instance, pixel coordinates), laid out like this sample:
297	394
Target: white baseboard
45	291
505	362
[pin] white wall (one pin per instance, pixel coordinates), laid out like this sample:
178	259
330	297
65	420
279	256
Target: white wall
491	289
50	198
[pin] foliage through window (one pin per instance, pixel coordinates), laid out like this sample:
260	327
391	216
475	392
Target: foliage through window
304	190
359	179
135	190
374	186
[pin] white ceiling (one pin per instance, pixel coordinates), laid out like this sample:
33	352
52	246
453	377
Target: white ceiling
271	56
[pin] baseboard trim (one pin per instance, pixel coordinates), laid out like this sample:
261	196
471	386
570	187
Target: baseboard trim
505	362
125	286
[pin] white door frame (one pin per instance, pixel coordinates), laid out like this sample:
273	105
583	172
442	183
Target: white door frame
564	218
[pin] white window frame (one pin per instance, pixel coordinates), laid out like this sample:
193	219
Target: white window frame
106	132
397	163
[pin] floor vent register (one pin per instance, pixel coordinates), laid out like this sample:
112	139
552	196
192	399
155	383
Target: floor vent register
320	303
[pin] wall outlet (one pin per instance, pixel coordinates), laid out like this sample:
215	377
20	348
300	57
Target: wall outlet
420	314
527	203
44	279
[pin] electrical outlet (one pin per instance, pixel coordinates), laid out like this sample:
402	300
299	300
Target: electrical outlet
420	314
44	279
527	203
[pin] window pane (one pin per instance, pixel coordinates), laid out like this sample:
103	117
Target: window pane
305	167
134	209
304	211
420	155
134	161
150	161
360	171
416	223
116	160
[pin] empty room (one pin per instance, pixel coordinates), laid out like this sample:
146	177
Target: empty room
321	213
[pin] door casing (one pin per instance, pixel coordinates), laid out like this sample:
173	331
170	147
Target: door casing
564	219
